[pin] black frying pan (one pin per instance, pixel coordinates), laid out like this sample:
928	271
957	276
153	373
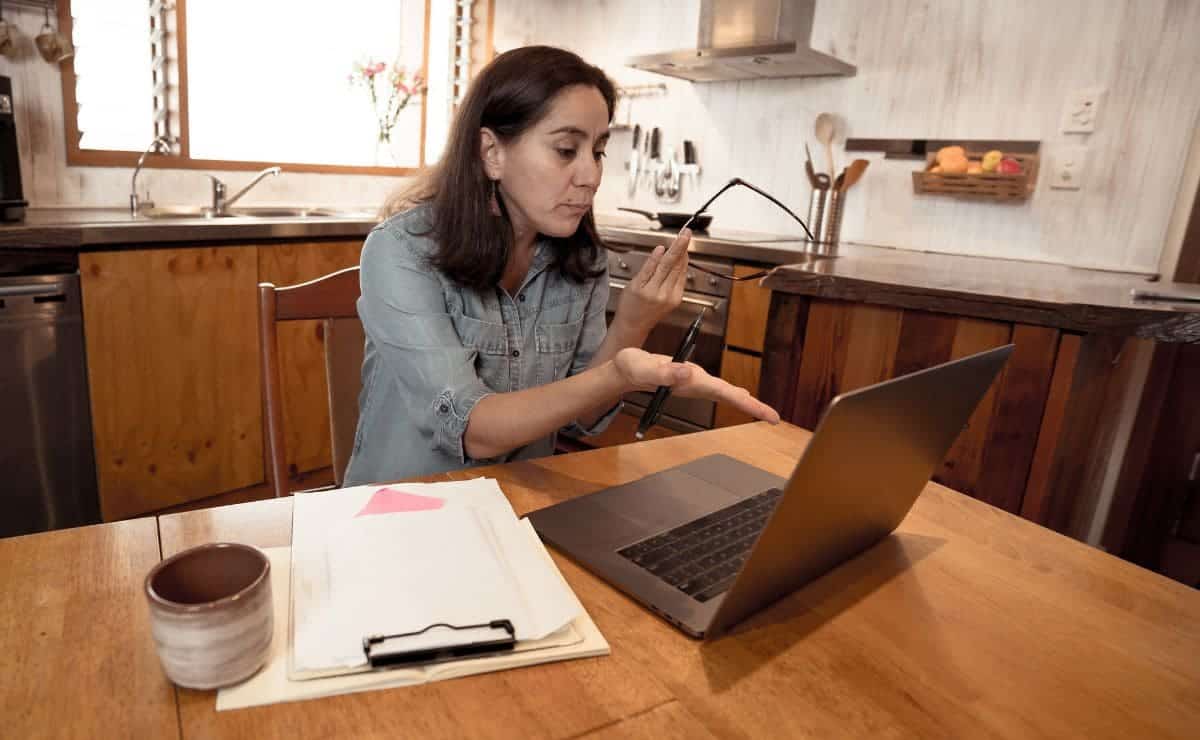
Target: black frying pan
673	219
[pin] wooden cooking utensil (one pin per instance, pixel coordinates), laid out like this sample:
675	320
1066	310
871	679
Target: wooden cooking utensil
854	173
824	130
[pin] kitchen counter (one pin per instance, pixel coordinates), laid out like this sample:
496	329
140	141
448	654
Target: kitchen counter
1073	299
1069	298
85	228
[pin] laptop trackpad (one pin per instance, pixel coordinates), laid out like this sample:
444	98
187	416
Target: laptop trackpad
624	514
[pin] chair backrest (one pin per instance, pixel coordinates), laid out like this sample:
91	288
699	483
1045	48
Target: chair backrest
331	299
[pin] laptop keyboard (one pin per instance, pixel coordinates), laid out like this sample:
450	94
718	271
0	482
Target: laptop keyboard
701	558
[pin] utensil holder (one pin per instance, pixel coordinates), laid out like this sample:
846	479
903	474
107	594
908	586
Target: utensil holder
825	219
816	214
831	224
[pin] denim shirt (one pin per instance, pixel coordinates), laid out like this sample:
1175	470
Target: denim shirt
434	349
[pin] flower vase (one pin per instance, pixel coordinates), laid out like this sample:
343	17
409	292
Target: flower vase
384	155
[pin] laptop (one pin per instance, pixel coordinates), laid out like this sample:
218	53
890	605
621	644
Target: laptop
708	543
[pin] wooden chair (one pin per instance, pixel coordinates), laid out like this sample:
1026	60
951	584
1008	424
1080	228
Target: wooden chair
331	299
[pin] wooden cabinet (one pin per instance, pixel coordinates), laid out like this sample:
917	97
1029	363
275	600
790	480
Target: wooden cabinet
172	347
301	348
741	369
1035	444
748	307
741	362
173	367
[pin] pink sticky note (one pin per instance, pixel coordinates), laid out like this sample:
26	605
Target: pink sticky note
390	501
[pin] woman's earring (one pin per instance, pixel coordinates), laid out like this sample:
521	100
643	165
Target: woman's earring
494	201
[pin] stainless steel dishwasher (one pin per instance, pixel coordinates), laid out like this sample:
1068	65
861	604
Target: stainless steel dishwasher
47	467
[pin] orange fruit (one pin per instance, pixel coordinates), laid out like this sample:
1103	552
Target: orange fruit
950	152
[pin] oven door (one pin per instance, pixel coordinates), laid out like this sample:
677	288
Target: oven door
682	414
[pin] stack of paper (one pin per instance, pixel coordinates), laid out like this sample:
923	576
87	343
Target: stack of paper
391	559
387	560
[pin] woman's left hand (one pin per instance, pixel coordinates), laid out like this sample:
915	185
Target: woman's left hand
644	371
657	288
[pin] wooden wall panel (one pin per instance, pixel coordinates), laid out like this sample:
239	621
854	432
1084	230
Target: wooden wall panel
1091	372
1036	503
742	370
821	363
172	342
748	308
871	346
963	465
847	346
782	350
926	339
1021	396
302	348
1101	388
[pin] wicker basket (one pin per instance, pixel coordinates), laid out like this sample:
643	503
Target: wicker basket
984	186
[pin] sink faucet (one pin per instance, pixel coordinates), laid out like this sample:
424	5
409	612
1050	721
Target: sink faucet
220	204
160	145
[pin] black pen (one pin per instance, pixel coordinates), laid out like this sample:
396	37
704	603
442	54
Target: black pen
683	354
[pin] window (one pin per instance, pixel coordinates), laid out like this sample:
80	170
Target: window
242	85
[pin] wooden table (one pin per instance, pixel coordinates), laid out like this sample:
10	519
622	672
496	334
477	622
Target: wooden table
76	657
966	622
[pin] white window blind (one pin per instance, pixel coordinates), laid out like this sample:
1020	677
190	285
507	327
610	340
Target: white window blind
114	85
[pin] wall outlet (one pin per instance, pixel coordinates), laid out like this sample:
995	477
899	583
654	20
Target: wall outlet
1081	111
1067	168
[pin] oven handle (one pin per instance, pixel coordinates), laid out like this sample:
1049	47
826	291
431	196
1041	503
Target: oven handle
686	299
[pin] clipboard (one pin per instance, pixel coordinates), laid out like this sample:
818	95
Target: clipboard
439	643
495	595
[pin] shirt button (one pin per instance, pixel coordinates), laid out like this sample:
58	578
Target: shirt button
443	408
516	353
521	297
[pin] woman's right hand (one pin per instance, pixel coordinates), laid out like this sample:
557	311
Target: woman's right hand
657	289
643	371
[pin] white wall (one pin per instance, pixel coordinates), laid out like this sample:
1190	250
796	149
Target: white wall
978	69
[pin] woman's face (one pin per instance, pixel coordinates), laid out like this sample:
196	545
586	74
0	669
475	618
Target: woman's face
550	173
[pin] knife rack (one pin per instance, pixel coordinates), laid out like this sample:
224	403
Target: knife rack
628	93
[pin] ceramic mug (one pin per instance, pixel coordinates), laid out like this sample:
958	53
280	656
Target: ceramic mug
211	614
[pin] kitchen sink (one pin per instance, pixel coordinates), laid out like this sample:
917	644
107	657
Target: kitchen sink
157	212
168	212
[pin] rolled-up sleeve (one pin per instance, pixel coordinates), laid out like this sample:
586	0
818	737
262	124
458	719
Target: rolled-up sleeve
404	312
595	327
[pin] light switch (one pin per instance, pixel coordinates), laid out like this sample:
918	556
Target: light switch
1081	111
1068	167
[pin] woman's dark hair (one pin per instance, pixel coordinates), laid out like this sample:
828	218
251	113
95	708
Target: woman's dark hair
511	94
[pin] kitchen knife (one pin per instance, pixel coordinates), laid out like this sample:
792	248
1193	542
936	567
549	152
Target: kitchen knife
635	156
690	166
654	165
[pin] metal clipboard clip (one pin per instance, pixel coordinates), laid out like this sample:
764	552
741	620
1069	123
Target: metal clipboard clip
439	642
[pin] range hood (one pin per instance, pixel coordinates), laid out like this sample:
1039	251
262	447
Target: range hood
745	40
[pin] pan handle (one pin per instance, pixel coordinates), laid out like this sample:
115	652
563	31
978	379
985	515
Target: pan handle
648	214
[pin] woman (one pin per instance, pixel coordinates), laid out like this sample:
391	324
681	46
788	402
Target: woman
484	294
